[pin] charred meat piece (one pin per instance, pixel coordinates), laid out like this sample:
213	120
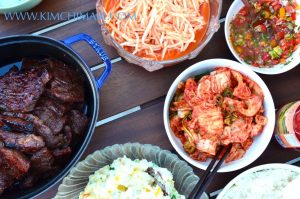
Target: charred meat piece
59	153
4	127
5	180
51	112
14	163
30	63
17	124
77	121
42	160
30	179
66	85
62	155
52	141
25	143
13	166
51	120
53	104
67	135
20	90
34	176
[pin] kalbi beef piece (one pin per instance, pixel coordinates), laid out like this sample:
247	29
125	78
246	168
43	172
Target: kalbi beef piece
30	179
67	135
77	121
13	166
51	112
14	162
51	120
25	143
60	153
5	180
66	85
53	104
52	141
17	124
30	63
20	90
42	160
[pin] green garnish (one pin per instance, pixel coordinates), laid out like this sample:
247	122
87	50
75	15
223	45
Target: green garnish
227	92
276	52
230	117
189	147
220	99
265	36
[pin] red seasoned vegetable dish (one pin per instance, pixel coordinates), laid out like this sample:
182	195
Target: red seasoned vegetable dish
218	109
270	36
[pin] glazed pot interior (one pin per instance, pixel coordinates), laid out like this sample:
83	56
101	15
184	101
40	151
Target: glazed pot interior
12	50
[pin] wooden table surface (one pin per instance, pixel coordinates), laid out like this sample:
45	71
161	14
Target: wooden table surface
132	98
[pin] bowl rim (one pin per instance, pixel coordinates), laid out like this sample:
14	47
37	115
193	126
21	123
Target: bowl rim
19	4
268	130
127	55
157	150
255	169
275	69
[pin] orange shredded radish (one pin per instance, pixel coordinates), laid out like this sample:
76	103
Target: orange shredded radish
155	27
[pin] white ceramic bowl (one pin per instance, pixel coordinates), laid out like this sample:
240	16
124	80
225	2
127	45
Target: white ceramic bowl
260	142
256	169
17	5
292	61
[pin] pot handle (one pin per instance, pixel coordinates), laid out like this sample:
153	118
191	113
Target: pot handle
99	50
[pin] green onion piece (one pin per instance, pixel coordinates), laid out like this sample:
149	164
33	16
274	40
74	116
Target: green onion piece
189	148
227	92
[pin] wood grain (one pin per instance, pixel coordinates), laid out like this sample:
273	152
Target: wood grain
147	126
12	27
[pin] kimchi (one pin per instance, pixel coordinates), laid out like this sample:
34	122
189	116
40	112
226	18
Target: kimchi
217	109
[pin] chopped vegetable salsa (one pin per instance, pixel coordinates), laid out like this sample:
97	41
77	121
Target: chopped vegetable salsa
267	35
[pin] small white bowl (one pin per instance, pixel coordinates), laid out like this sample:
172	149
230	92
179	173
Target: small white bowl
17	5
256	169
291	62
260	142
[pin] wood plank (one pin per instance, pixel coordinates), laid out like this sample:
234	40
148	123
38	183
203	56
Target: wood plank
147	126
11	27
225	7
